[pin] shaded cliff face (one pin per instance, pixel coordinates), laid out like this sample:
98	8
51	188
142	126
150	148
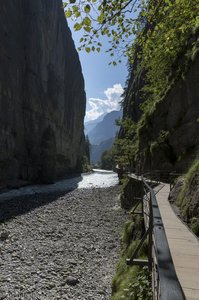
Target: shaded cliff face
42	98
170	138
185	194
134	95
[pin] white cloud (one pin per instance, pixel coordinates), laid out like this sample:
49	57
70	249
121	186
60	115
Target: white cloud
97	107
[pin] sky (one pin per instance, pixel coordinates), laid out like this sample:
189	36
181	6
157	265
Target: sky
103	83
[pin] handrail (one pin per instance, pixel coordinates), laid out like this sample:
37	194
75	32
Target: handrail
167	285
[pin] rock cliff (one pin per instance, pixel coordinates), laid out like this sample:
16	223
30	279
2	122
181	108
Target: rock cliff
168	138
42	97
185	194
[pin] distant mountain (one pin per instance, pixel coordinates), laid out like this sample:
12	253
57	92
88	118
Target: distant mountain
97	150
106	129
88	126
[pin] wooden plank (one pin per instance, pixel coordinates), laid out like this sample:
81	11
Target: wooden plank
184	246
179	233
189	277
191	294
168	284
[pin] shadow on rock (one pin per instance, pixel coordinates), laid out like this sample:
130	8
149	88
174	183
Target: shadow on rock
22	201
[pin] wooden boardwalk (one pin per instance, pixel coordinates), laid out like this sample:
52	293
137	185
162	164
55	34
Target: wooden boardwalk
184	246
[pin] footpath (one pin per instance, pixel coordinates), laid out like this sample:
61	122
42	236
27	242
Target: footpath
183	244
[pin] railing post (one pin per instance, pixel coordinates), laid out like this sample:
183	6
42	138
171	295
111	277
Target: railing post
150	240
142	205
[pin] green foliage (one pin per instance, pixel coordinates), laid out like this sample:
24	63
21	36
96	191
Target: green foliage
124	181
86	167
189	190
140	289
165	50
87	148
159	37
131	282
114	19
107	160
161	28
132	229
195	225
165	43
126	146
189	176
127	233
160	143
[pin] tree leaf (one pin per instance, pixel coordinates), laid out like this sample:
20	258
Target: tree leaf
77	26
88	49
87	8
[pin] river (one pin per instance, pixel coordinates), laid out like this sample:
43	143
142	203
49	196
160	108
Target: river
97	179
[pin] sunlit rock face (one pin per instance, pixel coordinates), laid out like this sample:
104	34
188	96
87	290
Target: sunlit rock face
42	97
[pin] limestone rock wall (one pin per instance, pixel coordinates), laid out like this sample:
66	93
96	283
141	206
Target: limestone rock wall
171	138
185	195
42	97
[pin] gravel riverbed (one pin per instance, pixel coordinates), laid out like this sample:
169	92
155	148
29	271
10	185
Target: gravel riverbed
60	245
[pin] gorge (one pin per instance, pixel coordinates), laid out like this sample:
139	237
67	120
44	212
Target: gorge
61	236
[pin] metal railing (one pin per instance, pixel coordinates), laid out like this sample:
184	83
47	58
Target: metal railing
165	283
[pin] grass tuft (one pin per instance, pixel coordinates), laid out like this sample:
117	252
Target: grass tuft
188	197
131	282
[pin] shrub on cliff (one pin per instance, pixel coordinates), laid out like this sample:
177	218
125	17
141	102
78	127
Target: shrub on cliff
131	282
107	160
188	198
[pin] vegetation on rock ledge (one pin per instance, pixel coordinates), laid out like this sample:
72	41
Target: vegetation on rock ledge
188	198
160	39
131	282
